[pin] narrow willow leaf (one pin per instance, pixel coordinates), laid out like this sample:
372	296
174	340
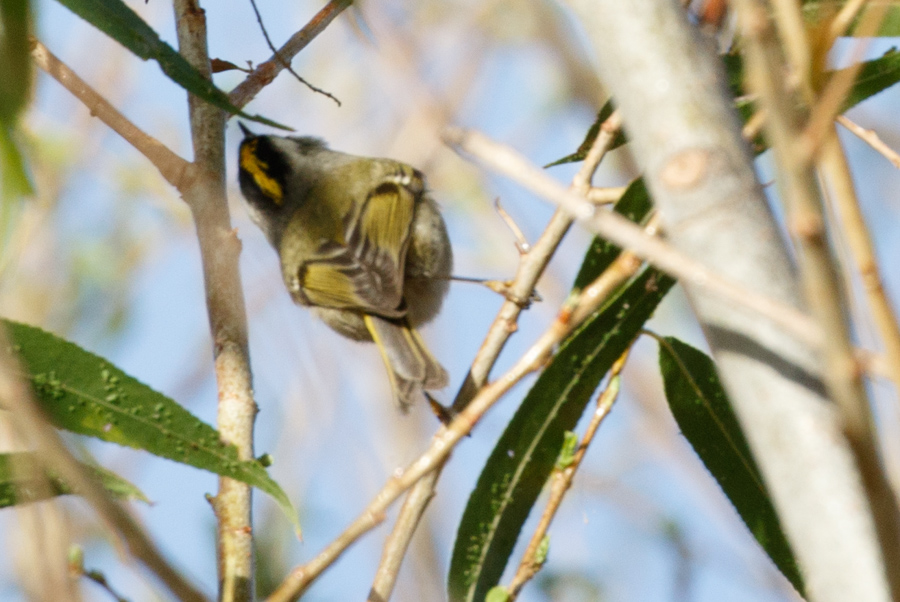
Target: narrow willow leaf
527	451
15	62
708	422
118	21
15	84
85	394
592	133
17	487
875	76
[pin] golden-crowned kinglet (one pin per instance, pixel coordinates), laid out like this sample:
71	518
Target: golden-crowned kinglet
361	242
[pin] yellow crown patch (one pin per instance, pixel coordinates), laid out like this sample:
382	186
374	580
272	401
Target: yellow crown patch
259	170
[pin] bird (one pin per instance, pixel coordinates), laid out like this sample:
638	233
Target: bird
362	243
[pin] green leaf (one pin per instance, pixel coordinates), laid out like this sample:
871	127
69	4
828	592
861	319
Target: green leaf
85	394
118	21
635	205
15	62
585	147
567	453
497	594
21	481
14	180
707	421
15	75
527	451
875	76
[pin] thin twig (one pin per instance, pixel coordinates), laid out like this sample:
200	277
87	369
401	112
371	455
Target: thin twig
561	481
219	252
17	398
518	296
871	138
606	196
522	244
833	166
446	439
627	235
843	20
284	62
266	72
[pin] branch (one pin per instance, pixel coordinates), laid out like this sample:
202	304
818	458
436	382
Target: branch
266	72
871	138
687	139
799	191
219	250
176	171
626	234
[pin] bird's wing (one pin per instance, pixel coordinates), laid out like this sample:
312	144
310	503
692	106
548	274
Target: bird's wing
366	271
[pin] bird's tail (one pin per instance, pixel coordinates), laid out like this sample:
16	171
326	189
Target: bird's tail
410	365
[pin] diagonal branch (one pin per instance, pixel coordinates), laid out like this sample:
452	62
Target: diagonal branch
266	72
177	172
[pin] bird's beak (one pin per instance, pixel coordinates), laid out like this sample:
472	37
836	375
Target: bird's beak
246	130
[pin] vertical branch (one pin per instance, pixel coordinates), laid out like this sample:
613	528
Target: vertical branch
219	249
685	135
806	220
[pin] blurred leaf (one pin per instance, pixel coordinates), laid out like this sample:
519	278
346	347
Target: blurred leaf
815	11
526	453
85	394
15	62
17	487
585	147
707	421
14	180
875	76
118	21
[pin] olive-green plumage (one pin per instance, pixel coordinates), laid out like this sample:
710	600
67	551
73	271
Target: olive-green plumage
361	242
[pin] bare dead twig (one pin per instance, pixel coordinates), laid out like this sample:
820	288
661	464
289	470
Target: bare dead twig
286	63
266	72
872	139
